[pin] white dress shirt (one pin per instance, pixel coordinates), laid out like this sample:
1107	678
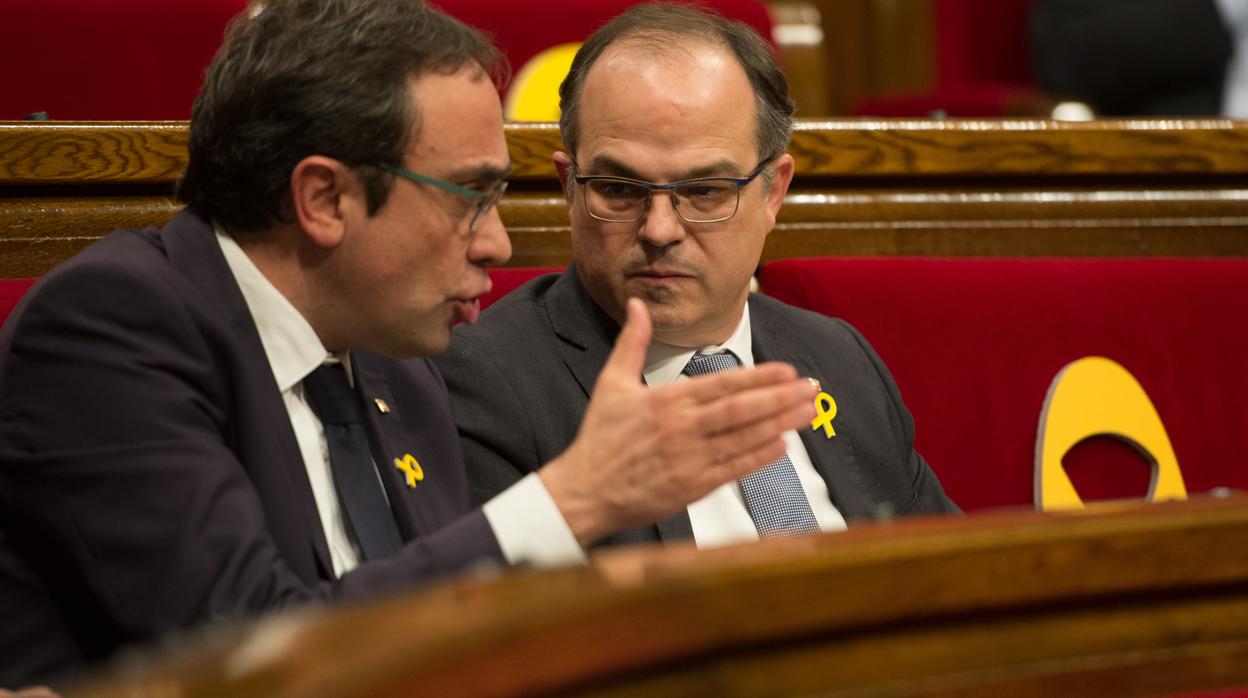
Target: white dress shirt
525	520
721	517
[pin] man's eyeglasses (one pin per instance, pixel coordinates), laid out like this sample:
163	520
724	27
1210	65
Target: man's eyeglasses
482	201
703	200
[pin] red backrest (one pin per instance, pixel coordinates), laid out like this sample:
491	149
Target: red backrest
982	65
11	291
145	59
524	29
980	41
508	279
975	344
108	59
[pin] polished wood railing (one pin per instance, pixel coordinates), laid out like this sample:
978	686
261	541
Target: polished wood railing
1136	600
927	188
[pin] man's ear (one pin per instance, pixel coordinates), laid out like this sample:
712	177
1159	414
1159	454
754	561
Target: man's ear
782	176
319	187
563	167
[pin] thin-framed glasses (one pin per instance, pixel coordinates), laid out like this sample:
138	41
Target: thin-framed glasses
482	201
702	200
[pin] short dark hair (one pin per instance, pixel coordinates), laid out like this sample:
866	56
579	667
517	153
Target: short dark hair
661	22
296	78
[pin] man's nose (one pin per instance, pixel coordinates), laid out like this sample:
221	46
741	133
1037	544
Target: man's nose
661	225
490	244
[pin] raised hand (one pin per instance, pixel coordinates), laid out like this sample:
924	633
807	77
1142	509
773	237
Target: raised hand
644	453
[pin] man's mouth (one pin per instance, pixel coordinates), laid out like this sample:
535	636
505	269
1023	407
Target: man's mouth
467	311
660	275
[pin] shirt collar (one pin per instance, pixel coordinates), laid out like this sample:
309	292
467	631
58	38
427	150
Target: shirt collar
290	343
664	362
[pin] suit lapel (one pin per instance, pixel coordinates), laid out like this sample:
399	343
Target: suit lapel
588	335
587	332
192	247
832	457
372	387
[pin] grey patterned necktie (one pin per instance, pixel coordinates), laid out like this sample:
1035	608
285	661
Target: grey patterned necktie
773	494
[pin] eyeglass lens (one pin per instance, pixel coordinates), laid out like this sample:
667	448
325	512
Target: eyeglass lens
704	201
487	201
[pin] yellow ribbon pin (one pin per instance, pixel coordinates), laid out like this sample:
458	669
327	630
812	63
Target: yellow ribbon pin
825	406
411	469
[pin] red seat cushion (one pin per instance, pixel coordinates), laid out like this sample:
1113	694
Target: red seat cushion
975	344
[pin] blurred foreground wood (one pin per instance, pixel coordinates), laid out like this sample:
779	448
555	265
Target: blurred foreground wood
1137	600
1012	187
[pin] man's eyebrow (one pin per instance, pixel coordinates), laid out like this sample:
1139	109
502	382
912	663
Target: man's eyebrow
605	165
480	173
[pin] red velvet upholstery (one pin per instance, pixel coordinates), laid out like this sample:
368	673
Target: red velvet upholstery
108	59
974	345
523	29
981	63
508	279
11	291
145	59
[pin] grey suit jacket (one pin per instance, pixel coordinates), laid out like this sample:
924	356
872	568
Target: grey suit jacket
520	380
149	475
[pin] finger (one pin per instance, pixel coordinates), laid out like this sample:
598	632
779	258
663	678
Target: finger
628	357
719	385
737	465
755	435
749	406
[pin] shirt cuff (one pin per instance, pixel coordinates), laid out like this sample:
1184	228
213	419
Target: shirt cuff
529	527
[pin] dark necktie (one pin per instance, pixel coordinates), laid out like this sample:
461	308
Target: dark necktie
773	494
350	460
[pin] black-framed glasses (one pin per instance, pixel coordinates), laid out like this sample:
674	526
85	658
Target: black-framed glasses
702	200
482	201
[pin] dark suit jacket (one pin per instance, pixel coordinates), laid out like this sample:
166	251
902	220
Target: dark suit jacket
520	381
149	476
1132	57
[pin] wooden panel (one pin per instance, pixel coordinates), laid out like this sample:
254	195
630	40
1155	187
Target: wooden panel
70	152
798	32
154	152
1141	599
899	187
874	47
1019	147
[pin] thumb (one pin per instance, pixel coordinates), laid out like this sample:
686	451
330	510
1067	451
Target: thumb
629	355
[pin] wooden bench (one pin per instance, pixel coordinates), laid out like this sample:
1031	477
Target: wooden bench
1145	601
863	188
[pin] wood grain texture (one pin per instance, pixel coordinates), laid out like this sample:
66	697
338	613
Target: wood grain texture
1019	147
43	153
1143	598
900	187
155	152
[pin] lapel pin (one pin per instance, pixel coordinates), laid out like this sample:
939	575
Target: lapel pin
382	407
410	467
825	408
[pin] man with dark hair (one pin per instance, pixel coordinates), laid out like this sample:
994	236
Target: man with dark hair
214	419
676	123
